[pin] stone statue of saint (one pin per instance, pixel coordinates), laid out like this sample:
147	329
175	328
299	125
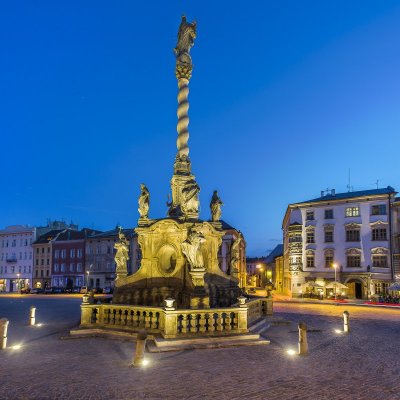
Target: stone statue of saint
122	255
235	256
186	36
215	207
191	248
190	197
144	202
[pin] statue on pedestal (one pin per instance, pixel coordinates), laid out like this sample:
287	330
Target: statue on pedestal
122	255
144	202
235	256
190	197
215	207
186	36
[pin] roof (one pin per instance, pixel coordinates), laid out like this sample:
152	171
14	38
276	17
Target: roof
71	234
129	232
276	252
45	238
351	195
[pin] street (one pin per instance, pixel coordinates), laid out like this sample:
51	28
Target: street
361	365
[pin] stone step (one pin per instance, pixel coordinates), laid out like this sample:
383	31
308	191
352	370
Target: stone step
189	343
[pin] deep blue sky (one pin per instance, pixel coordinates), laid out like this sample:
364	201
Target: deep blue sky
285	98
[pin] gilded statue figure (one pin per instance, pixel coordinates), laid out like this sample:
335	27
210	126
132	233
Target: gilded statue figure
191	248
235	256
215	207
186	36
122	254
190	197
144	202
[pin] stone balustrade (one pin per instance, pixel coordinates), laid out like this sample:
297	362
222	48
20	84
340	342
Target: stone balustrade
171	323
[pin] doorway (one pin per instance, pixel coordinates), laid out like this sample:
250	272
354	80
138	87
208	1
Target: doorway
358	290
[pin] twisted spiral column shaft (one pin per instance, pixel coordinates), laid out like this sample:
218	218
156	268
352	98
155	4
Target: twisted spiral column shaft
183	118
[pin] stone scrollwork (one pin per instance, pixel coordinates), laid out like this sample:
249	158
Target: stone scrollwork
144	202
122	255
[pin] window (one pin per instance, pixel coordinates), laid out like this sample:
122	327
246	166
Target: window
62	268
98	250
379	261
37	262
63	253
42	261
41	273
296	237
379	234
72	253
42	250
57	254
55	267
381	288
47	272
379	209
328	236
352	211
309	215
352	235
353	261
37	250
310	261
310	236
29	269
24	269
79	253
328	261
48	250
329	214
72	267
48	261
79	267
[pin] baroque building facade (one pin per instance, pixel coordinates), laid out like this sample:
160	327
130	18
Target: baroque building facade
352	231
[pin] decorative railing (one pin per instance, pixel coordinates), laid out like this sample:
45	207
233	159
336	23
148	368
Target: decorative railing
171	323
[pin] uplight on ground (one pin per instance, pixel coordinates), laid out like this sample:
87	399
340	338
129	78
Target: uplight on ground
291	352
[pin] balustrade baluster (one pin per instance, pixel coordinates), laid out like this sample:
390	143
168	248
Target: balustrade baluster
184	323
220	327
234	318
202	323
112	320
228	326
137	320
142	318
211	322
193	323
125	317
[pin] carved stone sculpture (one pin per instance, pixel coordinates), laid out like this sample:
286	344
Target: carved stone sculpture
122	255
191	248
144	202
186	36
215	207
235	256
190	197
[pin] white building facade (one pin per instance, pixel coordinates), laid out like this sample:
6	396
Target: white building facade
16	259
350	230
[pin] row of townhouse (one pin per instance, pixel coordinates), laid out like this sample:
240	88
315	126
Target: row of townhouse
353	235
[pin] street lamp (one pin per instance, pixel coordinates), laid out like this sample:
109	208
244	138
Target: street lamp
18	283
334	265
87	279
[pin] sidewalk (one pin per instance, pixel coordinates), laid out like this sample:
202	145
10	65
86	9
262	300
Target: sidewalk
279	298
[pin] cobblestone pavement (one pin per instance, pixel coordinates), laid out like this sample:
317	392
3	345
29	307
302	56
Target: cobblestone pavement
362	365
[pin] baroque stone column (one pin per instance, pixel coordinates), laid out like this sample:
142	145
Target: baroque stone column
185	191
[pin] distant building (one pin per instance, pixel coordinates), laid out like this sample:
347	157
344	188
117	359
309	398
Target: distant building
351	230
42	259
274	266
99	261
16	259
68	258
256	271
54	225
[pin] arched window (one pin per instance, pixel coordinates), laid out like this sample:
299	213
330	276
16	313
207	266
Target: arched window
379	257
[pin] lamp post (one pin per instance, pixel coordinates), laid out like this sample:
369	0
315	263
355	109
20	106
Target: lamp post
87	279
335	268
18	283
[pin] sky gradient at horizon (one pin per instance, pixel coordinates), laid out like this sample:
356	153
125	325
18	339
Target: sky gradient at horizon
284	100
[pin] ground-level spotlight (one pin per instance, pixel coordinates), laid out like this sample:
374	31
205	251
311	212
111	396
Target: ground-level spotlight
291	352
39	325
16	347
145	362
338	331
